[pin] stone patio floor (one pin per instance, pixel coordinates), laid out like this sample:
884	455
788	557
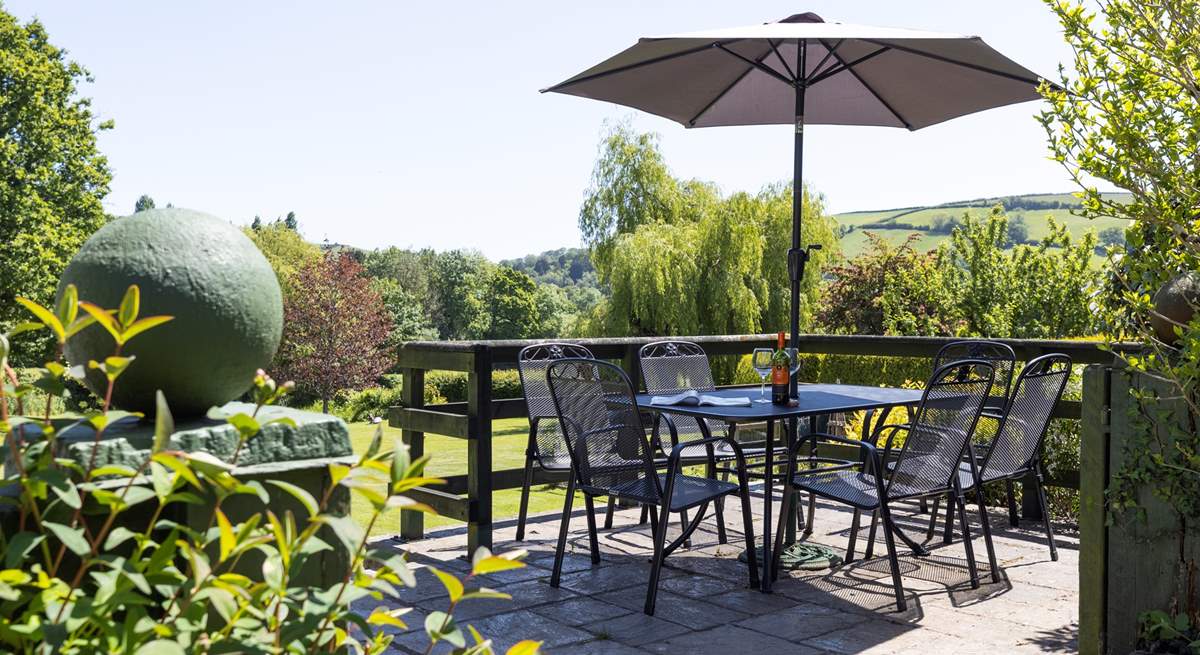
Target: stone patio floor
705	604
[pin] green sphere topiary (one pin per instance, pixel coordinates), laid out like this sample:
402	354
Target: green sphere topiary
198	268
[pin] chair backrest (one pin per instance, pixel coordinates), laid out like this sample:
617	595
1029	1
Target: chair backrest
1018	441
669	367
599	418
673	366
999	355
944	421
532	362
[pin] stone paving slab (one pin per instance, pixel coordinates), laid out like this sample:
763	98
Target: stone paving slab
705	604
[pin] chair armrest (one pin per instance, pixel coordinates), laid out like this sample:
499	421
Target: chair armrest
869	450
677	450
894	428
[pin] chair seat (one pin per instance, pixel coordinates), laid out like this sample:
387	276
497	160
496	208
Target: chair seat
851	487
689	490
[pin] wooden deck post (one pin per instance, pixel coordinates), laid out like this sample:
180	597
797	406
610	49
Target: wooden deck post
1093	533
479	450
412	524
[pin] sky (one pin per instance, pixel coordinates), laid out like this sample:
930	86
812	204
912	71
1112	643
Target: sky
420	124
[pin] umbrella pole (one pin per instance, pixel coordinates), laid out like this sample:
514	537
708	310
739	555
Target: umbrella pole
798	256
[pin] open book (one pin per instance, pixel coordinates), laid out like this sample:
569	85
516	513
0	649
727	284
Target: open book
693	397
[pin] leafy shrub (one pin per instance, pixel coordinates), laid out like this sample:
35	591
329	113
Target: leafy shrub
76	580
452	385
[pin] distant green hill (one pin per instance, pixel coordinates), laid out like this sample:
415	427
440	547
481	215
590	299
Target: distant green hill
934	223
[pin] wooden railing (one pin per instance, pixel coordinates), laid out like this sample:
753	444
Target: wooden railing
468	497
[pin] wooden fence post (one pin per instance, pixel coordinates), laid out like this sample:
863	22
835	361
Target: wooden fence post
1093	534
479	451
412	524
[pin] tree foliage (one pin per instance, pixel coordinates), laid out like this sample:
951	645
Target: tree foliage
335	329
54	175
143	203
1127	112
679	258
285	250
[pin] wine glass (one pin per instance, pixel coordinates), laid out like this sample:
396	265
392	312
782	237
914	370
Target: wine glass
761	360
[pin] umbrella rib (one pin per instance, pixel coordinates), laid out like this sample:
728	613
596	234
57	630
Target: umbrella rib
948	60
834	70
873	92
692	121
828	53
636	64
766	69
781	60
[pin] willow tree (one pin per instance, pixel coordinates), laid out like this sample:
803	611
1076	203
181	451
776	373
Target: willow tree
679	258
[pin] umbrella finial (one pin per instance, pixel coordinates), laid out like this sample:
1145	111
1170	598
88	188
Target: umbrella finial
806	17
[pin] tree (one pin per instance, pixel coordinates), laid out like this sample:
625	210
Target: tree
409	319
257	223
1112	236
681	259
54	176
1128	114
143	203
335	329
285	250
1018	231
457	285
511	305
852	299
290	222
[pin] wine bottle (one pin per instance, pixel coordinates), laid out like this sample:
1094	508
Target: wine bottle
781	366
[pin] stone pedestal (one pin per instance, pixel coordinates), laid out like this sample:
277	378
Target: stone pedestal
300	455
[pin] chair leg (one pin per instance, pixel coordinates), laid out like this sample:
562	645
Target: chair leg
853	535
924	506
608	513
528	482
719	505
960	502
893	561
564	527
645	514
812	512
593	541
987	534
933	517
748	529
660	539
870	551
683	523
948	535
1014	519
1041	492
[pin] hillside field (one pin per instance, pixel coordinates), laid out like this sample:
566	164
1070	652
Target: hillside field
895	225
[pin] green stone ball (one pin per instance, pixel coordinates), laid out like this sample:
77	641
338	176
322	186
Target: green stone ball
198	268
1177	300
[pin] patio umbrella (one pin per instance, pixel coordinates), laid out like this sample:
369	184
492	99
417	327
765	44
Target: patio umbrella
802	70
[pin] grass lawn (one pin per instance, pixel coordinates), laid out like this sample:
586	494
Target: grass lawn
448	456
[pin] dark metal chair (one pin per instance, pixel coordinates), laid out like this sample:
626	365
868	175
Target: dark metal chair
546	447
673	366
1002	357
927	465
611	455
1016	451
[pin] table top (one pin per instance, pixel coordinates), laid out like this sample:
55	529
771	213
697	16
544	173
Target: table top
815	400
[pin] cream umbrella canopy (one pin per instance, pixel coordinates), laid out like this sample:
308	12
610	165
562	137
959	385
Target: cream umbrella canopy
804	71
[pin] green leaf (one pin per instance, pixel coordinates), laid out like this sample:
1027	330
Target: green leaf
525	647
68	305
130	306
227	541
484	592
118	536
164	423
46	317
299	494
485	562
207	464
246	425
453	585
400	460
441	627
78	324
105	318
376	441
19	546
160	647
384	616
27	326
72	538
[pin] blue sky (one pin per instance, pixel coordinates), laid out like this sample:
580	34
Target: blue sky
420	124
